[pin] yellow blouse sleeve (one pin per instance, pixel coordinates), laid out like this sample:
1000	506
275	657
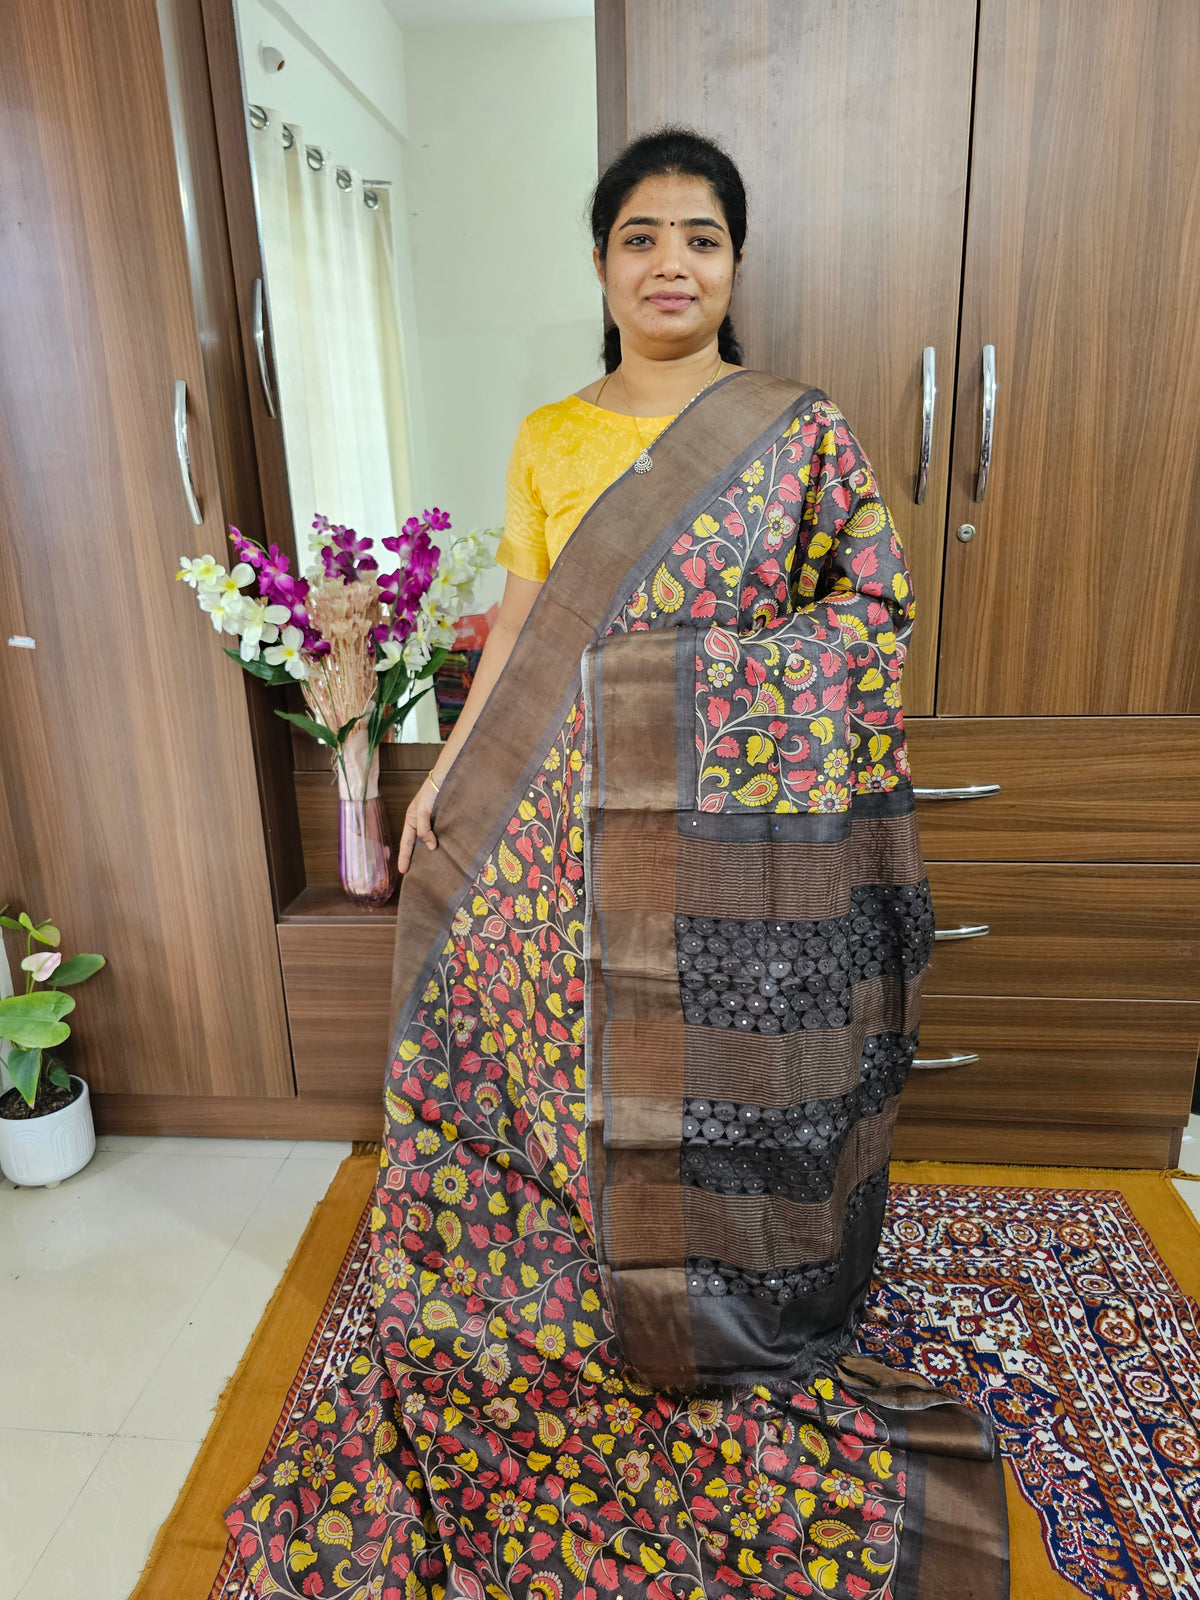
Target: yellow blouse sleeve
523	548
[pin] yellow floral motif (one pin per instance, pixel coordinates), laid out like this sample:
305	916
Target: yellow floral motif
667	592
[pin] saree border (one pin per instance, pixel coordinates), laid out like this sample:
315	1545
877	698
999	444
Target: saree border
543	674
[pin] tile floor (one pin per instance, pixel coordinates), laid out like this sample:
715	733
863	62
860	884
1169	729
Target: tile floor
127	1298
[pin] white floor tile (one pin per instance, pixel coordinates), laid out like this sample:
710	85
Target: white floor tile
1190	1194
1189	1155
178	1400
100	1276
135	1143
103	1541
321	1149
40	1476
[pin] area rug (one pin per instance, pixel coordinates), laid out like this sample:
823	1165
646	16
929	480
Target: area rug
1060	1300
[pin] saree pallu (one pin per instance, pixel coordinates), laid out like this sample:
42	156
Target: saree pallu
657	995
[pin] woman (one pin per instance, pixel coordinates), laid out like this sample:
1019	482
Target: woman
659	965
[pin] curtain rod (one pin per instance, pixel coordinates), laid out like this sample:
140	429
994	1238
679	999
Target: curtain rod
315	156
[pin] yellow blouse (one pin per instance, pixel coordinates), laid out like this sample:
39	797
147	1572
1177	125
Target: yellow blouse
565	456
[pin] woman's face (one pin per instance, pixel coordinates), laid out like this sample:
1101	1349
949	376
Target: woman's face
669	271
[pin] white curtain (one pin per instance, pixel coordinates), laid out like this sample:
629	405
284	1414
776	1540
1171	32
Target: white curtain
335	335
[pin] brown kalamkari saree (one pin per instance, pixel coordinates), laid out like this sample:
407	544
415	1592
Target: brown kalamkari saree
657	994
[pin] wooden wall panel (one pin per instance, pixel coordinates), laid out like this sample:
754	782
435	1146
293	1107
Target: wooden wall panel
1080	591
130	778
1034	1144
851	127
338	979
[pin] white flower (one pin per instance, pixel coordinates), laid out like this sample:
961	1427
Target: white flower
227	609
42	965
287	653
230	582
260	625
387	654
202	570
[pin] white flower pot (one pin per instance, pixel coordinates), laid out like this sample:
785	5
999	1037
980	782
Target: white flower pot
42	1151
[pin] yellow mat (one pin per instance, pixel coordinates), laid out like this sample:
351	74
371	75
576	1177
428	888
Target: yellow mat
191	1544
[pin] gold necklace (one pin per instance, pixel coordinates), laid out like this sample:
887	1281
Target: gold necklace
645	461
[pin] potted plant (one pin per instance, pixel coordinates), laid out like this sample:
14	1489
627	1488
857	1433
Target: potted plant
363	646
46	1131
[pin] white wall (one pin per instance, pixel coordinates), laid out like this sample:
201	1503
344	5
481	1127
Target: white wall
500	162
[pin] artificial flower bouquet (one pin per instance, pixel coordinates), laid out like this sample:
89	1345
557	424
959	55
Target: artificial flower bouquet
362	644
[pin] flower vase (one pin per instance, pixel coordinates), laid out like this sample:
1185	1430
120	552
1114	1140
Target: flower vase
366	854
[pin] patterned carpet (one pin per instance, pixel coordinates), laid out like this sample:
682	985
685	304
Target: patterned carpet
1051	1307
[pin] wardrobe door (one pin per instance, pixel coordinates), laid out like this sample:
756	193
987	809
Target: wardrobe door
1079	590
128	779
851	126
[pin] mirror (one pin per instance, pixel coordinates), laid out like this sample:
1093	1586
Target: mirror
421	171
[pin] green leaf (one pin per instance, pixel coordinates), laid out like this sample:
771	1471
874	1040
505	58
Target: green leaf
58	1074
11	922
434	662
47	933
346	727
31	1020
399	713
76	968
24	1068
262	669
315	730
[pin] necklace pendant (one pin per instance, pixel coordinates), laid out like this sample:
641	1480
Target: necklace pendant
644	462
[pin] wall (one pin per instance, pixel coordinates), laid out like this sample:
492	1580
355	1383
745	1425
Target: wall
500	163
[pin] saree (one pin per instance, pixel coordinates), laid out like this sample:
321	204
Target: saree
656	994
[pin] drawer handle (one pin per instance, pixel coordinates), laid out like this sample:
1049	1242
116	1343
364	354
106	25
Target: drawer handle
965	930
957	1059
967	791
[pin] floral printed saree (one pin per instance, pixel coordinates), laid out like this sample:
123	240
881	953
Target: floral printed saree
657	996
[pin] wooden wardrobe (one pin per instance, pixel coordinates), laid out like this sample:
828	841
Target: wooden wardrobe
929	180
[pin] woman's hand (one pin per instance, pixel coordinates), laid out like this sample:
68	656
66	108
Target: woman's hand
416	825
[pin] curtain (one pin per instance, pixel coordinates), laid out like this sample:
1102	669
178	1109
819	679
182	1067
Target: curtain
335	336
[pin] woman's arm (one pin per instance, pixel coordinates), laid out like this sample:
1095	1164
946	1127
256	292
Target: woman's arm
519	595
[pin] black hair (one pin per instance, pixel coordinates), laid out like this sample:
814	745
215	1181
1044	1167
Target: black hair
670	151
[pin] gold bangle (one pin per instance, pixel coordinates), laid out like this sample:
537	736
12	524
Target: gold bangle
437	788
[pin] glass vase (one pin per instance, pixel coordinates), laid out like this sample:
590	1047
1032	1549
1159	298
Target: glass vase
366	854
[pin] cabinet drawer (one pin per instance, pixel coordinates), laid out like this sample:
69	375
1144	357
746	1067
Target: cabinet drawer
1119	1063
1067	930
1071	788
337	981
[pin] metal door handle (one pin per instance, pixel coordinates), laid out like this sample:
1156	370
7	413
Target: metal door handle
928	399
260	349
957	1058
989	418
181	452
965	930
967	791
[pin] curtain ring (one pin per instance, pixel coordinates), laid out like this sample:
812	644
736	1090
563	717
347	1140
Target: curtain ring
370	200
258	117
314	157
344	180
289	138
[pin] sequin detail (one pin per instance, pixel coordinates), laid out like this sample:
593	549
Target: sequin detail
778	977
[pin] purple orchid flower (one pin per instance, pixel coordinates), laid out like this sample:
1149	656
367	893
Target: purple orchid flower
437	520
